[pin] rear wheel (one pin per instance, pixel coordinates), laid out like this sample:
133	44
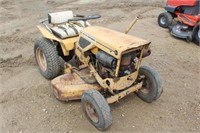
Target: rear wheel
197	36
47	58
96	109
151	88
165	19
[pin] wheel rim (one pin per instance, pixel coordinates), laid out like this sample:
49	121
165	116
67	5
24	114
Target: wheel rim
163	20
41	59
146	87
91	111
199	33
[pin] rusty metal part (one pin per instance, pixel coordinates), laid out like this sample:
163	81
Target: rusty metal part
124	93
71	87
146	88
41	59
85	75
146	53
91	111
126	60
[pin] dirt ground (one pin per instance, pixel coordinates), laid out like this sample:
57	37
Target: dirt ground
27	103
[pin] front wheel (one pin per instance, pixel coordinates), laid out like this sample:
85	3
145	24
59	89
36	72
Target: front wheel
165	19
151	88
96	109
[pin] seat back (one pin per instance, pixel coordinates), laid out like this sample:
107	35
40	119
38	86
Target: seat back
60	17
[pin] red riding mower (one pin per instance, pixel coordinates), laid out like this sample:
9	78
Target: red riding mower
187	12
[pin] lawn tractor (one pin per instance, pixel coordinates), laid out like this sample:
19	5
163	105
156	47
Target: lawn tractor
188	14
104	69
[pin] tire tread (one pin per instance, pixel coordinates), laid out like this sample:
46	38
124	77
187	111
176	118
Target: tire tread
103	106
157	81
169	18
52	58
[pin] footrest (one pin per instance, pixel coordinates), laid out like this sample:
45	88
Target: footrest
188	19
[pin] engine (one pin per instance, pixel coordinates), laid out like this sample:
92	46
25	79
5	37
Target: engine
106	59
106	64
128	63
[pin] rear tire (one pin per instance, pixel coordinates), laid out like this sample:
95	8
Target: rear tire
46	58
197	35
165	19
151	88
96	109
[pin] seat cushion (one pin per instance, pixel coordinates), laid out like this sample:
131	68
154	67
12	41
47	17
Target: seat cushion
66	30
69	29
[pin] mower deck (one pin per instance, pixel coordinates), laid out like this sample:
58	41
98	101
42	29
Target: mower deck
177	32
71	87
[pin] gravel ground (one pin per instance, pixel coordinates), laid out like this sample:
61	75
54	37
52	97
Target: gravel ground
27	103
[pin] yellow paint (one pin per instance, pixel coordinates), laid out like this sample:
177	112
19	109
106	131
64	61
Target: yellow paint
66	44
114	43
94	50
111	41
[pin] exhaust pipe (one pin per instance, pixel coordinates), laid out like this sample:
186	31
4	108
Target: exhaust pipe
146	53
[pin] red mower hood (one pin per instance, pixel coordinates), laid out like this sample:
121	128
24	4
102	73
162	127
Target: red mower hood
176	3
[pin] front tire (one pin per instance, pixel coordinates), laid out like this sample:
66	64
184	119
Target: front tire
96	109
151	88
165	19
47	58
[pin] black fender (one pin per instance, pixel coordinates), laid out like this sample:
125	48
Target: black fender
170	9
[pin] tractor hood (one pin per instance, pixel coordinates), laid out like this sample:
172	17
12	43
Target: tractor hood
113	40
176	3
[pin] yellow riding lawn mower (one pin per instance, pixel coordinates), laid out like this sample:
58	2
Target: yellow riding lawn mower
104	68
